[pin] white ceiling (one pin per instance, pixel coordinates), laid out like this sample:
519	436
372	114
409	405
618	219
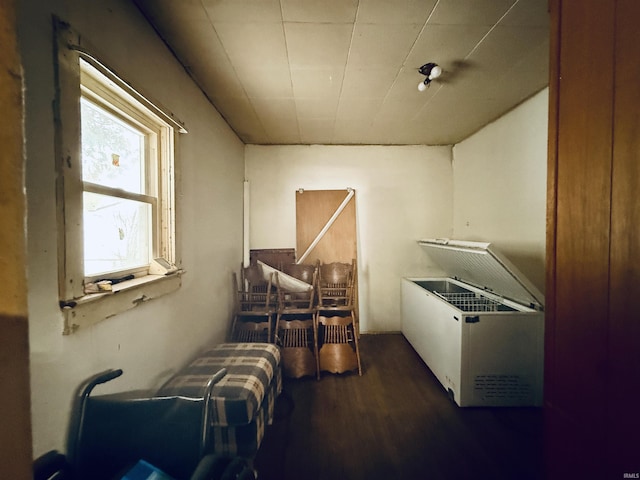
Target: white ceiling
345	71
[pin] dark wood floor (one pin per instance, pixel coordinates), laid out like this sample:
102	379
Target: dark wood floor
394	422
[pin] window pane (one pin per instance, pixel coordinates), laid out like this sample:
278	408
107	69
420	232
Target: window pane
116	234
112	150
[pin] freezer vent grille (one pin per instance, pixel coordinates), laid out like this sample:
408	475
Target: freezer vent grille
471	302
502	387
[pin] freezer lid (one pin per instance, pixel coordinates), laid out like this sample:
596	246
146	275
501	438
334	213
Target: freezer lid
478	264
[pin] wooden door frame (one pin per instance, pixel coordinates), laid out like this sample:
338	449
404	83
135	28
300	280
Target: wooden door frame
15	402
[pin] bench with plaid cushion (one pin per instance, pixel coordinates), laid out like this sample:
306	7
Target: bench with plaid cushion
243	401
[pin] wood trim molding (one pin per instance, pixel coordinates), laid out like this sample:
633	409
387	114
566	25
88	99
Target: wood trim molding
15	406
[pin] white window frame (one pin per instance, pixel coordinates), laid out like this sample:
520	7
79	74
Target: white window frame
91	78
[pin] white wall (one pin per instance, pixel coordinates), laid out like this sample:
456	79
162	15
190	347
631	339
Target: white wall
402	194
155	337
499	188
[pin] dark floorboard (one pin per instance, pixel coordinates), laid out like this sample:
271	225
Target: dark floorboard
394	422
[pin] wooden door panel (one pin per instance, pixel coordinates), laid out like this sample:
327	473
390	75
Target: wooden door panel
576	348
593	275
624	325
313	209
583	205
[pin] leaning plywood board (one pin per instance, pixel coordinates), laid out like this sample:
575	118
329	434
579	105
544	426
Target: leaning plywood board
314	208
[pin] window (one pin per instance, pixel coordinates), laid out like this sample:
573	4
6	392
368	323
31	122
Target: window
126	153
115	160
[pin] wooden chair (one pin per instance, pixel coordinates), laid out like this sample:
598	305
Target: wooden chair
301	271
296	331
255	303
248	330
336	318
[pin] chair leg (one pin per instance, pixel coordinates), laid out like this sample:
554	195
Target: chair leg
234	322
316	352
275	329
272	329
355	341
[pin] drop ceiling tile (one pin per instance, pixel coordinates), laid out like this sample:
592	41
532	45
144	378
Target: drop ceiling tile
354	133
282	133
354	120
254	137
397	111
248	41
386	131
464	12
445	44
314	11
382	46
167	11
536	61
243	10
279	119
505	46
187	38
479	84
405	87
317	83
398	11
510	93
457	123
218	82
514	93
196	43
459	72
274	109
375	137
316	130
241	116
350	137
253	44
317	45
395	134
528	13
316	107
480	87
266	82
362	82
360	110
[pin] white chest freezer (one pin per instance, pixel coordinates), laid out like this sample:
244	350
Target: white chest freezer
481	329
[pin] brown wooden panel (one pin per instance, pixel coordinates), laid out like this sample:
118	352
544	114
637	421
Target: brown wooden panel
583	205
578	290
552	165
275	257
15	400
313	209
624	320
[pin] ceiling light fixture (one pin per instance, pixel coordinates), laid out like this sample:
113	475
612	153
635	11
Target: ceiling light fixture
430	71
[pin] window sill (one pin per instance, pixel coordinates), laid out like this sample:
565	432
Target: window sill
93	308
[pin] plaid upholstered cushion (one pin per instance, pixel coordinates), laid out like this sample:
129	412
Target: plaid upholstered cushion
244	440
236	398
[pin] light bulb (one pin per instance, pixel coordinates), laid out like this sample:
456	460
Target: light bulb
436	71
422	86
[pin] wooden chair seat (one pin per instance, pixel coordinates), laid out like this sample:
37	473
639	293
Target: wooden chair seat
295	324
336	318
